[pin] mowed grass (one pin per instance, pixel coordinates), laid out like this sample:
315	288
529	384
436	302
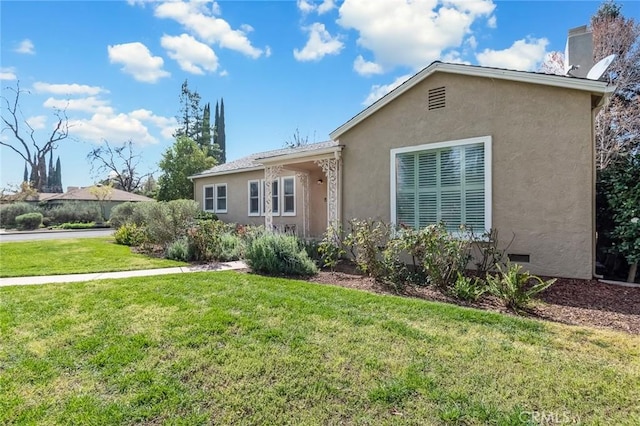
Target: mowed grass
232	348
72	256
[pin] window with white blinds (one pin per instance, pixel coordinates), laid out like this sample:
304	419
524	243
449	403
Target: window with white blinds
444	182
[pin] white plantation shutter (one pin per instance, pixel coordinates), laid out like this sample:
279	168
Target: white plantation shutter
445	184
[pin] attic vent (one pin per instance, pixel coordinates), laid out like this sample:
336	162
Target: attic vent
436	98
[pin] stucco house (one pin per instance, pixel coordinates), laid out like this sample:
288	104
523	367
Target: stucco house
487	147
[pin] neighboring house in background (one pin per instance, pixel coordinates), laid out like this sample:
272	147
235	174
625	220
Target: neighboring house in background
486	147
88	194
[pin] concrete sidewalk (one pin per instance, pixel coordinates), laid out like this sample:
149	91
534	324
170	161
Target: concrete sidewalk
56	279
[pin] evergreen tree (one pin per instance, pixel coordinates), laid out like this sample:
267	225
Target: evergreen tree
205	138
222	139
58	180
25	177
51	178
216	124
190	118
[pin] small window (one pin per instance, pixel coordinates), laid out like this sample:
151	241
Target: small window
437	98
221	198
254	198
208	198
289	197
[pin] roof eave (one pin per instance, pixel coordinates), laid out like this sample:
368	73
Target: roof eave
300	155
225	172
592	86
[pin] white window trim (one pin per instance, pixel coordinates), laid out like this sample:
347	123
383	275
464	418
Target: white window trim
486	140
226	198
281	191
249	212
204	198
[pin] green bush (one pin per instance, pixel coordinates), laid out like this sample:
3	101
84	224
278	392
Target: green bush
514	288
444	254
202	215
74	212
29	221
330	249
121	214
366	241
276	254
77	225
230	247
9	212
178	250
203	238
129	234
468	289
165	222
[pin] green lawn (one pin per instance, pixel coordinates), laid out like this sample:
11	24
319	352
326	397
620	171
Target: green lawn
232	348
72	256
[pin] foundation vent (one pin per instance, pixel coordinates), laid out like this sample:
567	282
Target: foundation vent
437	98
520	258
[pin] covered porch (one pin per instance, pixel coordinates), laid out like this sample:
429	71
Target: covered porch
318	172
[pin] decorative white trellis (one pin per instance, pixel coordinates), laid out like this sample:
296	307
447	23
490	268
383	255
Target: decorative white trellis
304	181
271	173
331	167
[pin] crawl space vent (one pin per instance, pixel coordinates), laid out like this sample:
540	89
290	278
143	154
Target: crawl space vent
436	98
524	258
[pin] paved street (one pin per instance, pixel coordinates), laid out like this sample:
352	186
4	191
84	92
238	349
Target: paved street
54	235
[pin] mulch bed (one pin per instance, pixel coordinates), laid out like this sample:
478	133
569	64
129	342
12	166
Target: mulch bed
569	301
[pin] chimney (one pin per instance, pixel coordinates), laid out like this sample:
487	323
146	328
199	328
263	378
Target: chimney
578	54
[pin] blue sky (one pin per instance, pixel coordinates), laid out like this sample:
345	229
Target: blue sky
279	65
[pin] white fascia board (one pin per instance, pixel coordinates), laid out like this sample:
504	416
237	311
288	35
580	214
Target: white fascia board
284	158
225	172
592	86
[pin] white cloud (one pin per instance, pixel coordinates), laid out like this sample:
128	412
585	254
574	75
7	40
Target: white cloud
202	22
67	89
472	42
411	32
267	51
90	104
524	55
26	46
37	122
378	91
307	7
167	125
454	57
320	43
8	74
363	67
492	22
138	61
192	56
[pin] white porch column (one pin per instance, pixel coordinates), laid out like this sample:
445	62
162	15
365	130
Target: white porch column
331	168
270	174
304	180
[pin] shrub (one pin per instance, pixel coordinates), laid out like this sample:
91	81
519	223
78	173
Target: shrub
165	222
330	248
468	289
129	234
514	288
272	253
202	215
178	250
366	240
445	254
121	214
78	225
74	212
230	247
203	239
29	221
488	254
9	212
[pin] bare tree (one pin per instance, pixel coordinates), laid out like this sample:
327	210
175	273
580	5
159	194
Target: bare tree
618	123
296	140
119	163
553	63
23	140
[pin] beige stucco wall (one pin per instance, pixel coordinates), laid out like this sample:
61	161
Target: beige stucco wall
542	169
238	199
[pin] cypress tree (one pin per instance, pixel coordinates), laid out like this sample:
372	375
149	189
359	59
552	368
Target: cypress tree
222	139
25	177
51	178
205	138
58	186
216	124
